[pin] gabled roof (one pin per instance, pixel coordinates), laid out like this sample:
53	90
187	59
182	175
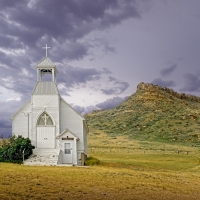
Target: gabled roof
46	63
65	131
45	88
26	104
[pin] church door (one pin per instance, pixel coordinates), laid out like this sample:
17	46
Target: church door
67	152
45	137
45	132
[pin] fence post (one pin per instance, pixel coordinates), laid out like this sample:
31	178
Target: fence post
23	155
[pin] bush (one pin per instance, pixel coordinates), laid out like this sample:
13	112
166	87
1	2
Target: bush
92	161
13	150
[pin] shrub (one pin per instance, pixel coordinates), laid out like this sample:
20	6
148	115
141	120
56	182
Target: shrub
13	150
92	161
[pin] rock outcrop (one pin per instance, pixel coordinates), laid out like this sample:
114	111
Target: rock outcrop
152	87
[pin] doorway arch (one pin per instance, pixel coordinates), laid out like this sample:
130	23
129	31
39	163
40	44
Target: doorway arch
45	131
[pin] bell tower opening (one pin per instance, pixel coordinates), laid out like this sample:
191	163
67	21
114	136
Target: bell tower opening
46	74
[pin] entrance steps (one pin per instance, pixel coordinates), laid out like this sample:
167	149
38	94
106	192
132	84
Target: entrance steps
43	157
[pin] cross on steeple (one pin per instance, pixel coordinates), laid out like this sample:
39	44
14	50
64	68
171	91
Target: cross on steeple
46	49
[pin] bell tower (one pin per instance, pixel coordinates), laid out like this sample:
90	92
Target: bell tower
46	67
45	102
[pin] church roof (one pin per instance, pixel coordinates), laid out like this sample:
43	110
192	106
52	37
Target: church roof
84	121
22	108
46	63
65	131
45	88
72	108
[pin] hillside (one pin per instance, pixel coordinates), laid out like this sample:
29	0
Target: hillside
153	113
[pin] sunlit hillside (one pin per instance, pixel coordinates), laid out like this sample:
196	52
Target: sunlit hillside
152	113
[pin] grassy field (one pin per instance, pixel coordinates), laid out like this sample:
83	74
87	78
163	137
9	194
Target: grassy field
129	169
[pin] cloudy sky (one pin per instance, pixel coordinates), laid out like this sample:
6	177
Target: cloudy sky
102	48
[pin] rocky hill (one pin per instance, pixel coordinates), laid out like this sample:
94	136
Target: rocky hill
153	113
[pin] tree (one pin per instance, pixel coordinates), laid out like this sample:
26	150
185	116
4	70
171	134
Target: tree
13	150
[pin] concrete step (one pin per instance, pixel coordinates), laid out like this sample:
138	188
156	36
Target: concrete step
46	151
45	157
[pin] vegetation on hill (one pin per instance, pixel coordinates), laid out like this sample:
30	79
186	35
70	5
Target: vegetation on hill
153	113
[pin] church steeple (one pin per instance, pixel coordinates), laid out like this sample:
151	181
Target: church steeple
46	66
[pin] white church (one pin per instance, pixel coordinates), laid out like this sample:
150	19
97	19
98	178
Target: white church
57	131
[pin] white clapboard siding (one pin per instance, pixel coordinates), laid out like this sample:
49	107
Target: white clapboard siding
20	121
48	101
72	121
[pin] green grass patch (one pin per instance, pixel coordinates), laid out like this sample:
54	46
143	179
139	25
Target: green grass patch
92	161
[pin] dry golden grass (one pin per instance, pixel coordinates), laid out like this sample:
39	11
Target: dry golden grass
122	174
98	182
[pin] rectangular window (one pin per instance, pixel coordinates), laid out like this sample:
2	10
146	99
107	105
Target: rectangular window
67	148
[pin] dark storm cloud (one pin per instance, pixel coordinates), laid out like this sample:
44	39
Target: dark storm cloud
65	91
106	71
5	132
6	41
84	110
108	104
4	59
165	72
112	79
29	24
163	83
191	82
12	76
69	77
108	48
118	88
77	75
6	4
168	70
111	103
109	91
79	109
75	51
21	85
5	124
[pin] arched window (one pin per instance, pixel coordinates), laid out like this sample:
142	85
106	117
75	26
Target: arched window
45	120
